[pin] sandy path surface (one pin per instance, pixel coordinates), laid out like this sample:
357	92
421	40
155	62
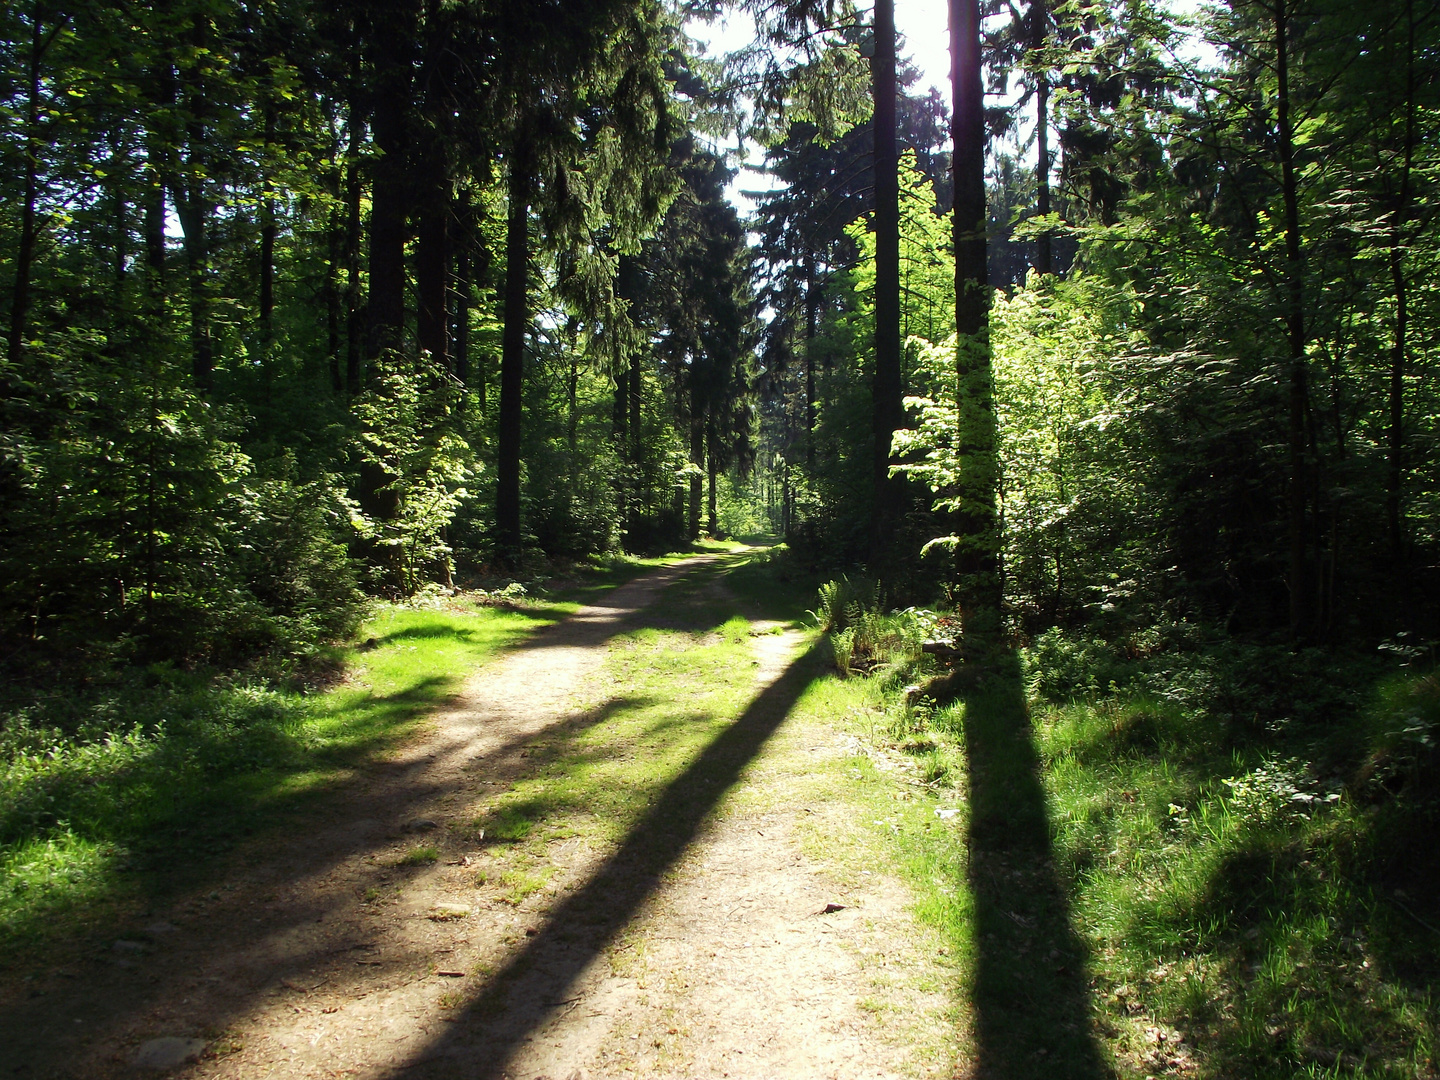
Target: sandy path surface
699	946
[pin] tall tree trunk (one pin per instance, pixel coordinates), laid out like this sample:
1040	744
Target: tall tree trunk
432	277
635	388
512	355
713	474
888	407
812	305
697	463
354	313
389	207
977	552
572	409
464	259
154	226
619	412
267	243
1039	38
25	256
193	207
1302	615
335	250
1395	455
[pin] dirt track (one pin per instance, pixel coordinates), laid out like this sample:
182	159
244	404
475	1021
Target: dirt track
698	947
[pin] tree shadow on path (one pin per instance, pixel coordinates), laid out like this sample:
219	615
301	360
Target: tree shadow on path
1030	993
543	979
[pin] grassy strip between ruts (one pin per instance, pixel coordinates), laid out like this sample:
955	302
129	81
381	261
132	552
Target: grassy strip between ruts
113	794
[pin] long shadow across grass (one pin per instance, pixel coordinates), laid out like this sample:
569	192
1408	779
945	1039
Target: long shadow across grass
541	979
1030	990
39	1036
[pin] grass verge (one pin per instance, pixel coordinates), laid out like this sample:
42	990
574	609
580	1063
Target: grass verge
1216	881
138	784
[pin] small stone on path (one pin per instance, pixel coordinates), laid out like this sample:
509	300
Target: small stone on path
167	1053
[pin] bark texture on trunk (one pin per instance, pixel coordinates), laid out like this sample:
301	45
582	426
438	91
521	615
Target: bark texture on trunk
977	552
354	312
1302	613
1039	38
432	279
1395	449
25	255
512	356
888	408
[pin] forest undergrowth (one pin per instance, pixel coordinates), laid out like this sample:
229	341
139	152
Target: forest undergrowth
138	782
1167	853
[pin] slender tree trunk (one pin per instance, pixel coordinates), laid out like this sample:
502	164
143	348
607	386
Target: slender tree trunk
158	168
267	243
25	256
697	462
354	312
464	259
1039	37
812	304
432	278
512	355
154	226
193	207
1395	471
619	412
977	552
713	471
888	408
572	409
1302	615
389	206
635	389
335	249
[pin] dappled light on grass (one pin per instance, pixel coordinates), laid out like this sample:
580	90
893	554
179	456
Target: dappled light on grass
1242	901
161	778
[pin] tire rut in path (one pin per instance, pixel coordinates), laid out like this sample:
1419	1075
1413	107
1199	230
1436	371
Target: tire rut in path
694	949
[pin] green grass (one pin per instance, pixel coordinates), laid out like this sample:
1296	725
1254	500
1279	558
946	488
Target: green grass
1130	887
110	795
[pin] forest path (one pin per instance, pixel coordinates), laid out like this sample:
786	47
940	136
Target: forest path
670	923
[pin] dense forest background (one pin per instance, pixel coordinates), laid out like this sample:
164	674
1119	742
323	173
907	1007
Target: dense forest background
1102	384
306	302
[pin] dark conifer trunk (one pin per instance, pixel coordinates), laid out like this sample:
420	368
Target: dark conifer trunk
432	279
812	305
464	283
25	256
1302	615
887	392
512	356
697	462
354	312
389	206
194	207
713	474
335	242
267	243
1039	36
154	228
977	559
1395	450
